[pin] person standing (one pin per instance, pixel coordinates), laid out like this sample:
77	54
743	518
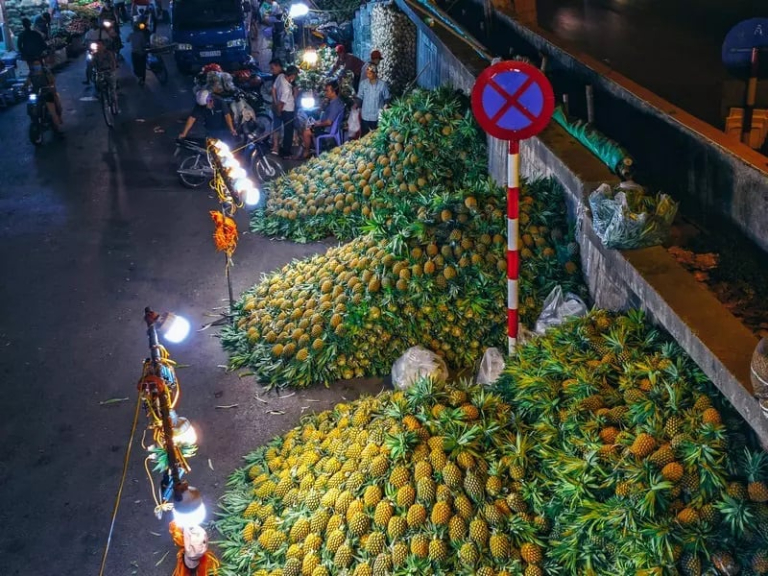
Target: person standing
286	107
139	43
42	25
30	43
347	61
375	59
276	68
373	95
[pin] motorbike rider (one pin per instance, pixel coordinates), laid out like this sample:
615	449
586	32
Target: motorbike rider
42	82
95	34
215	115
139	40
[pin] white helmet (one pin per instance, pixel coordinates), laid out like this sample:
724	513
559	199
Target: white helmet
202	97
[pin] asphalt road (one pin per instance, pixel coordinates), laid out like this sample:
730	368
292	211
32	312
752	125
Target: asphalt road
92	230
671	48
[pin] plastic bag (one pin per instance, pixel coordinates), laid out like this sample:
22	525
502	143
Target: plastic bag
415	363
627	218
558	308
490	367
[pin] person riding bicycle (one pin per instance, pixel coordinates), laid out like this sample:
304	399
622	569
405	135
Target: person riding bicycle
105	65
214	114
42	82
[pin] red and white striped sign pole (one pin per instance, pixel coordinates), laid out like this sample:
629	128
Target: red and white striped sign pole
513	101
513	240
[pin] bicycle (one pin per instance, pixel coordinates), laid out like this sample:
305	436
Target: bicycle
107	96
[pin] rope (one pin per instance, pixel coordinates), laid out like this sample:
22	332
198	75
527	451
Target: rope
122	484
160	506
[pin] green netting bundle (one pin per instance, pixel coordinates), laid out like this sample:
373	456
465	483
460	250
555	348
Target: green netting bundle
610	152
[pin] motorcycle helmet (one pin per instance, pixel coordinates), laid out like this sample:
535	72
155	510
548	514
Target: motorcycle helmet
202	97
212	68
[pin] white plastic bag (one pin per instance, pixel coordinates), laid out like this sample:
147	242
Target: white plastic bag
415	363
490	367
557	308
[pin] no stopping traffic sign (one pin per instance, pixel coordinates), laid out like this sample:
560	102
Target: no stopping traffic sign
512	100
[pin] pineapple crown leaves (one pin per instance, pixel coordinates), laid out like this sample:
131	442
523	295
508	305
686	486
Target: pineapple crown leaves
755	464
461	437
400	445
737	514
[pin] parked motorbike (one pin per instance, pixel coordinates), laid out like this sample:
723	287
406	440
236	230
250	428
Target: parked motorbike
195	168
40	118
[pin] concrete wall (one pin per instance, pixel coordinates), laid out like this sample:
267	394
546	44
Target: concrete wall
710	174
649	279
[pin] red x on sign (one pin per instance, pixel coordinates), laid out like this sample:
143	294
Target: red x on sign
512	100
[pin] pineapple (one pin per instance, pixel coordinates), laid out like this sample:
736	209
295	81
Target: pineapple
500	546
457	529
531	553
343	557
673	426
334	541
420	545
441	514
406	496
468	554
422	470
478	532
249	531
663	456
359	524
372	495
399	476
292	567
463	507
397	527
417	515
375	543
399	553
382	565
688	516
452	475
755	466
643	445
760	562
426	490
690	565
474	486
438	550
533	570
383	513
673	472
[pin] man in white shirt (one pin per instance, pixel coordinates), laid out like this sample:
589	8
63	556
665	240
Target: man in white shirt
276	68
285	104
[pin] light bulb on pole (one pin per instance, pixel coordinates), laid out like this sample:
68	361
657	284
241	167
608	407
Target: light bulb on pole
183	431
188	507
298	10
310	57
173	328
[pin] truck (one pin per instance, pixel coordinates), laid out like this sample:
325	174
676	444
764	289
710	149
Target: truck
209	32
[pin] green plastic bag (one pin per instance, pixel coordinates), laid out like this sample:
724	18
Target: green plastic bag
626	217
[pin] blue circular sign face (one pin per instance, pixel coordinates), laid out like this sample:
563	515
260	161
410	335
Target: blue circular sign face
739	42
512	100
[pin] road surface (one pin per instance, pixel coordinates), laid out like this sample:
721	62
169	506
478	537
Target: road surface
92	230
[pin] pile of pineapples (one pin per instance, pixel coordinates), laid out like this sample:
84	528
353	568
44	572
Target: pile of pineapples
412	482
598	452
427	142
430	271
636	458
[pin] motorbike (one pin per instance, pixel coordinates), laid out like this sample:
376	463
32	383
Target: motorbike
39	116
195	168
156	64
